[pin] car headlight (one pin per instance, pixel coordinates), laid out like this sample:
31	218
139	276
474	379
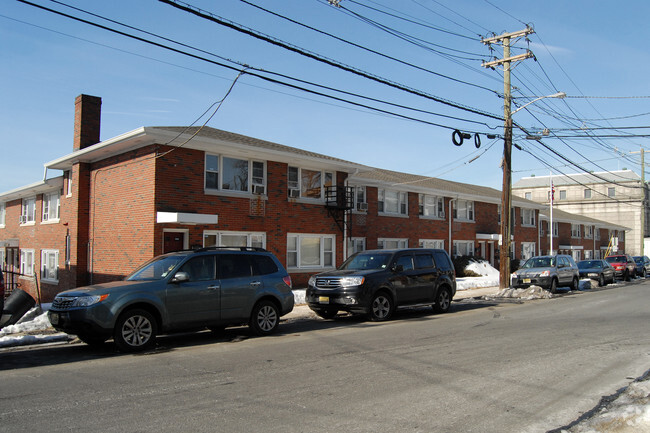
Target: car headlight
545	274
592	275
352	281
312	280
87	301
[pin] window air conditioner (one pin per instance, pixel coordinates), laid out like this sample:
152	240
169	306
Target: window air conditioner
362	207
294	193
259	189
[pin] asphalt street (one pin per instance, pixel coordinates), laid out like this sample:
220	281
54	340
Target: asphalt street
487	366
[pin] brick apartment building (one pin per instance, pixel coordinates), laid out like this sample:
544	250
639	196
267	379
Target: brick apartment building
152	190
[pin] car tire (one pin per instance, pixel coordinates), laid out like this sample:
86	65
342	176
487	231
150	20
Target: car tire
135	331
265	318
443	300
575	284
601	280
626	276
553	287
644	273
381	307
92	340
327	313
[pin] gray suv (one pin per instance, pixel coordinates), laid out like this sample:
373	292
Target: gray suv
186	290
548	272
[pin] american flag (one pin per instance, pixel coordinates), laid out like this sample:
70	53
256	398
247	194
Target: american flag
552	192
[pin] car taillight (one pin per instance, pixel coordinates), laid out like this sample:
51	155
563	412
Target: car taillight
287	281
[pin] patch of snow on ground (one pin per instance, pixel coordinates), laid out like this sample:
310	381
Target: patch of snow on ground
532	292
489	277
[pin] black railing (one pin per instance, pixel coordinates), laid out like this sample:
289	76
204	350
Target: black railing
339	197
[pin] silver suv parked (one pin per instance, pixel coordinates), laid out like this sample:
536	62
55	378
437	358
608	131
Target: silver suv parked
186	290
548	272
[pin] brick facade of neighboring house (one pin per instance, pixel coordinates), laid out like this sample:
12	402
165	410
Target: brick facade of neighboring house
125	200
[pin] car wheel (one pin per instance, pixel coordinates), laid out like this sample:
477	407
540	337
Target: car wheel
443	301
575	284
92	340
381	307
553	287
644	273
601	280
626	276
265	318
135	331
327	313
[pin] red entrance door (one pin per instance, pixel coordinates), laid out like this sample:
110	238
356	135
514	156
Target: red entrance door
173	241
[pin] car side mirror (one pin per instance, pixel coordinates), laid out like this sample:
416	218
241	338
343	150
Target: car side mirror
398	268
181	277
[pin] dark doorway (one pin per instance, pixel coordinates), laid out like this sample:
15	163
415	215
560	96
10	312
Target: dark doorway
173	241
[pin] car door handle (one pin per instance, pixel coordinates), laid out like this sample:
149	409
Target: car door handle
256	283
213	287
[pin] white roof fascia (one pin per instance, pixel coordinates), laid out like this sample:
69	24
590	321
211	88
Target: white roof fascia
32	189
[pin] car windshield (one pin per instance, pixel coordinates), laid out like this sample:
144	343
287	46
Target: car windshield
616	259
155	269
539	262
639	260
364	261
587	264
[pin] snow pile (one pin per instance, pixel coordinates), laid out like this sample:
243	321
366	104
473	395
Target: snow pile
628	413
483	268
34	327
489	277
532	292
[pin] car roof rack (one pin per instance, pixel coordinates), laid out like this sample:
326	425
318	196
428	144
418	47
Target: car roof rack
215	248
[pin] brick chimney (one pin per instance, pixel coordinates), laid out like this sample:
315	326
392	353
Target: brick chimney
87	120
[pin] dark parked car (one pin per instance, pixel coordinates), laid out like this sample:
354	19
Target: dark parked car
624	266
598	270
548	272
642	265
186	290
375	282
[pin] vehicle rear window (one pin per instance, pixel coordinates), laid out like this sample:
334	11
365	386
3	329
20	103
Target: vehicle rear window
233	266
616	259
423	261
442	261
263	265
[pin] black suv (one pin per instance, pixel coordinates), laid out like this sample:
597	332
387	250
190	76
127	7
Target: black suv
186	290
375	282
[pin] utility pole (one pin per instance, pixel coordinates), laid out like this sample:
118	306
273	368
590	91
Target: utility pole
643	200
506	191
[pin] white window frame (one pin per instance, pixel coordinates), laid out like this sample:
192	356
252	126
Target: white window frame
359	198
611	192
253	239
356	245
464	212
575	231
3	214
300	187
28	211
27	262
528	217
432	243
392	243
51	207
465	246
327	255
252	180
528	195
400	198
587	193
563	194
528	250
589	255
576	254
556	229
431	206
49	275
597	234
589	232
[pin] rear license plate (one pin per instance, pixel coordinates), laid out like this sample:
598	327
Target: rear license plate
526	280
323	300
54	318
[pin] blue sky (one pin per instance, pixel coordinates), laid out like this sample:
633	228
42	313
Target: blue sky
594	52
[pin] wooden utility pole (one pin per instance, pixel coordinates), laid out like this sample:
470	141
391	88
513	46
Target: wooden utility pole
506	192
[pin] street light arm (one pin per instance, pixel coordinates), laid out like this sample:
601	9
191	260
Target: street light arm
560	95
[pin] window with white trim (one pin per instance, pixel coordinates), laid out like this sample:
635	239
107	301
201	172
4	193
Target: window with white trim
360	201
68	180
575	231
432	243
611	192
588	255
3	213
27	262
307	183
50	266
556	229
213	238
589	232
310	251
527	250
51	206
356	245
528	217
563	194
431	206
464	210
28	210
587	193
597	234
528	195
223	173
392	243
576	255
392	202
463	248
